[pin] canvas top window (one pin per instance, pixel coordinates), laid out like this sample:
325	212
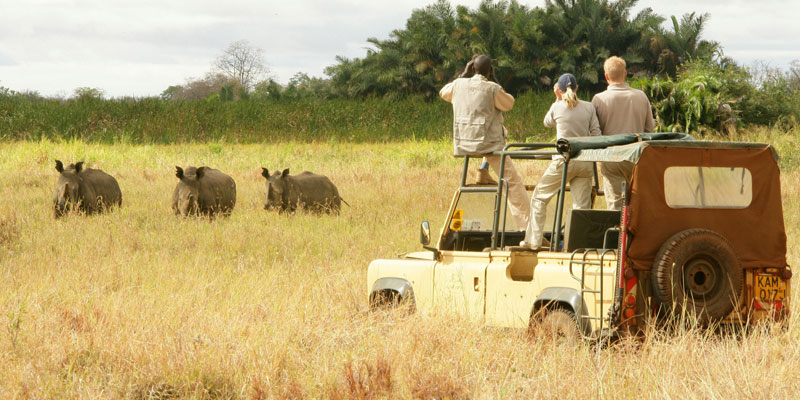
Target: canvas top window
708	187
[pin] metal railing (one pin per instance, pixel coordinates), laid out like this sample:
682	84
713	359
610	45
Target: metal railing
529	151
584	315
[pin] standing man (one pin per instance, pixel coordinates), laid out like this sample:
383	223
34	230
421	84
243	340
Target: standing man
478	105
620	109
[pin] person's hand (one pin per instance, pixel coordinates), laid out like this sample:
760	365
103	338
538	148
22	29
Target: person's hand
557	92
469	70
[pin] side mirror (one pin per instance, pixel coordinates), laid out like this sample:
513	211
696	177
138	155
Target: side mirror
425	233
425	239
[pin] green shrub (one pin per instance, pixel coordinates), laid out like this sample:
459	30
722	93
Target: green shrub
702	97
775	97
709	96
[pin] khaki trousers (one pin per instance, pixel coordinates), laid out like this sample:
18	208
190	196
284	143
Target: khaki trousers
579	176
614	174
517	196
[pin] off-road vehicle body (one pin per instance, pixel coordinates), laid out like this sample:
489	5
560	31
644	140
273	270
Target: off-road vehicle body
701	234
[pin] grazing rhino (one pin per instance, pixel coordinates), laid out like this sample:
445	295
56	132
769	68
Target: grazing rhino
85	189
309	191
204	191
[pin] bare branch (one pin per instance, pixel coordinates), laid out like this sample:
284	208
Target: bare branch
242	62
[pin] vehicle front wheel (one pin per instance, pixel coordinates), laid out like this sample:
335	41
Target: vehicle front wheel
556	324
391	300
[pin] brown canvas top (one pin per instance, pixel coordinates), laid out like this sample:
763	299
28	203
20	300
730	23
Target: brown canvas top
756	232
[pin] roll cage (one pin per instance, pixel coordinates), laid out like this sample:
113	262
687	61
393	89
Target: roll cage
518	151
583	149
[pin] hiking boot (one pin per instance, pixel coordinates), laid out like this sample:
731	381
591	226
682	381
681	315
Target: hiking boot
484	178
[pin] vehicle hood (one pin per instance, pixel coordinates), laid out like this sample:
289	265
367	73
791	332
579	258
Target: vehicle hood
419	255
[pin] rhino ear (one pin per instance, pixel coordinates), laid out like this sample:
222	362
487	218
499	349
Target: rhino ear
285	173
59	166
179	172
200	172
78	166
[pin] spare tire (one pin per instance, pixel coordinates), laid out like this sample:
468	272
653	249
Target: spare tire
697	271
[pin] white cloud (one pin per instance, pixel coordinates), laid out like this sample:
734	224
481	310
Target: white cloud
140	47
6	60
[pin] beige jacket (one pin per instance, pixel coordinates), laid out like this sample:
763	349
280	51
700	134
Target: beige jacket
478	106
623	109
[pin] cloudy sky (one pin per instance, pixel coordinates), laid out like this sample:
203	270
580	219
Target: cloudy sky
140	47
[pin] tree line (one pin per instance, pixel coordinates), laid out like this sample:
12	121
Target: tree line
693	87
530	46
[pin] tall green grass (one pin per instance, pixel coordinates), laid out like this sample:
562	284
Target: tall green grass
154	121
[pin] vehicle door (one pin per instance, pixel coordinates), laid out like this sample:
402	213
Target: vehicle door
460	284
460	274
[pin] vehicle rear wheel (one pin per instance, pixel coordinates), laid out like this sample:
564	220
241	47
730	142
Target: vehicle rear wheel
556	324
696	271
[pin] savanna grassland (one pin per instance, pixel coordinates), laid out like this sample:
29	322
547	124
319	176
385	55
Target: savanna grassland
140	304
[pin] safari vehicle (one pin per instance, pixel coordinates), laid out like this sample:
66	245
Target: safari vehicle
701	234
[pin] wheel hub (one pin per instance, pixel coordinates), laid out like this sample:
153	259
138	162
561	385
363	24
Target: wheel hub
700	277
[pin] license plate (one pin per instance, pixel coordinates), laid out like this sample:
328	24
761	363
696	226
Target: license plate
770	288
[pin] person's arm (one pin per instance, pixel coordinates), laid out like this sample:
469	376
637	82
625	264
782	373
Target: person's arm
549	120
594	124
649	124
598	104
447	92
503	101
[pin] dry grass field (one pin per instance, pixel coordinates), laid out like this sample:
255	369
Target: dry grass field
140	304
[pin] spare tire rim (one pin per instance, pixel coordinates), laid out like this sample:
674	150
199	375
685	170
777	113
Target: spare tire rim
701	276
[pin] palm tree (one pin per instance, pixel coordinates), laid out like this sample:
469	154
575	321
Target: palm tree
670	50
592	30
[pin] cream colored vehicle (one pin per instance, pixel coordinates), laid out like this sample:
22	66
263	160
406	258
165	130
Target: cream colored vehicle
677	247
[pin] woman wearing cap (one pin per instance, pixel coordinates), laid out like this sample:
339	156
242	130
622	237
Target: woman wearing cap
572	118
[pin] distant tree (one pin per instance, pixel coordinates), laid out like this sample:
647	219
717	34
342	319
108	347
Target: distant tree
267	89
589	31
242	62
83	93
171	92
671	49
529	46
226	92
794	75
303	86
196	89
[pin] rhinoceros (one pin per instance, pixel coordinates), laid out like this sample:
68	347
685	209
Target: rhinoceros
309	191
87	190
204	191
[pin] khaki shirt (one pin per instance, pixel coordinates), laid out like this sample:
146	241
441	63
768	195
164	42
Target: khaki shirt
478	106
502	101
623	109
